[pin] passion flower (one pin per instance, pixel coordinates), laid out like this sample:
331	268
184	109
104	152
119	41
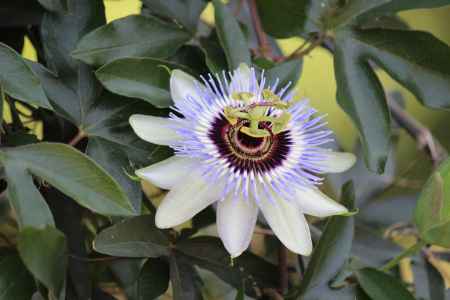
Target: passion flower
246	145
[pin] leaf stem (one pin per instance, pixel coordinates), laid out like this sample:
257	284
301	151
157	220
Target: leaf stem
406	253
419	132
264	46
78	137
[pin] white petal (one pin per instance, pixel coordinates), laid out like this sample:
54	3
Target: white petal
186	199
288	223
165	174
337	162
181	86
315	203
156	130
236	219
241	78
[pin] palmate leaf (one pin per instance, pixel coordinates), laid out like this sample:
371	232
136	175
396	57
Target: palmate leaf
330	255
18	80
186	13
287	18
231	37
361	95
184	278
136	237
55	5
208	253
15	281
143	78
125	38
44	252
70	171
380	286
71	87
432	214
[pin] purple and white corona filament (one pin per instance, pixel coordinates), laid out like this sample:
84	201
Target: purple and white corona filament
246	145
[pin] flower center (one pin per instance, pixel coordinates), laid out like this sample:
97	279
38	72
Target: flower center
248	153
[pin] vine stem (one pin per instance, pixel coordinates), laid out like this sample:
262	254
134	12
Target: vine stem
406	253
78	137
283	269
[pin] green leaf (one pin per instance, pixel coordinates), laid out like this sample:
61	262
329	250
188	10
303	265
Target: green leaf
144	78
55	5
208	253
331	252
15	281
214	55
73	173
25	199
392	7
18	80
184	279
380	286
286	18
136	36
240	293
360	94
114	159
135	237
77	89
287	72
423	69
44	252
231	37
187	13
432	214
153	280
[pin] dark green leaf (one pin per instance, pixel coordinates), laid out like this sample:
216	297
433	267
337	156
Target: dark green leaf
361	95
73	173
392	7
136	36
380	286
136	237
153	280
432	214
286	18
192	59
114	159
25	13
331	252
44	252
423	69
60	95
230	36
240	293
208	253
77	89
187	13
368	185
184	279
18	80
15	281
214	55
55	5
26	201
287	72
144	78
